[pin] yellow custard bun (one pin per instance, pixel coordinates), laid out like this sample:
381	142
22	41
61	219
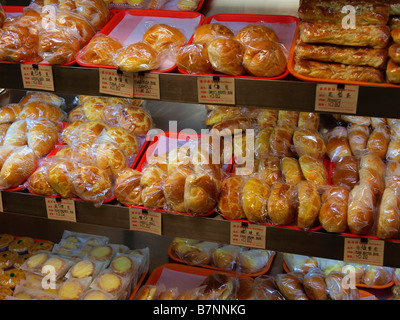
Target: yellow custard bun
109	282
101	253
7	259
58	263
44	245
36	261
122	265
21	244
5	240
71	290
83	269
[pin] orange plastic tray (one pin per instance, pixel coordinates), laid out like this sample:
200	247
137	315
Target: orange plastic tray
241	19
263	271
152	16
359	285
291	64
139	284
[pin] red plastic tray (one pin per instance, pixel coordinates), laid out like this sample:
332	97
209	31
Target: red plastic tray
284	25
128	26
291	65
15	11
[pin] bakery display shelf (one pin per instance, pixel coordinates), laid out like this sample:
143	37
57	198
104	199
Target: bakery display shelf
214	228
289	94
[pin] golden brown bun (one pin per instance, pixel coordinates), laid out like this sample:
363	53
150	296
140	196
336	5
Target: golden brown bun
92	184
10	112
19	44
309	204
217	286
337	145
227	127
264	58
136	120
37	109
358	138
101	50
20	164
378	141
360	212
127	141
60	178
174	189
201	193
2	17
193	58
314	285
346	172
394	53
266	117
42	136
109	157
281	206
281	141
206	33
16	134
77	114
137	57
94	108
290	285
58	46
308	141
147	292
127	187
229	203
388	217
266	289
309	120
255	197
336	291
377	276
226	56
96	11
393	152
262	142
38	181
5	151
269	170
76	22
152	182
375	181
314	170
164	37
291	170
255	32
375	36
3	131
88	131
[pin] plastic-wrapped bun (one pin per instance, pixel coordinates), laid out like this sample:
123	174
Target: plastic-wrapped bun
96	11
38	181
76	22
281	206
3	131
59	45
264	58
309	204
193	58
137	57
109	157
42	136
135	119
60	177
226	257
389	215
290	285
206	33
2	16
16	134
226	56
174	189
127	188
377	276
10	112
336	291
333	212
42	96
20	164
37	109
266	289
229	203
100	50
255	197
254	32
253	260
314	285
152	182
309	141
164	37
337	144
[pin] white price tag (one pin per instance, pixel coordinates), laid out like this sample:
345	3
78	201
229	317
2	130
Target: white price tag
216	90
115	83
364	251
37	76
61	209
336	98
247	234
146	86
145	220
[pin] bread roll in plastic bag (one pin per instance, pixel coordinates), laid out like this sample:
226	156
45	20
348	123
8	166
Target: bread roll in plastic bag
36	109
174	189
253	261
193	58
219	286
336	290
199	253
309	141
265	289
42	96
337	144
377	275
333	212
42	135
3	131
152	183
60	176
314	285
255	196
226	257
96	11
38	182
127	188
388	214
16	134
290	285
299	263
10	112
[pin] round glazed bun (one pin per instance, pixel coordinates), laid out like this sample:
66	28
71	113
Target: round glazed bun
208	32
78	23
226	56
193	58
264	59
255	32
162	37
101	50
137	57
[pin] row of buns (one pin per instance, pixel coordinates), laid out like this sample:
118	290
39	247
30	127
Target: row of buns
31	38
86	267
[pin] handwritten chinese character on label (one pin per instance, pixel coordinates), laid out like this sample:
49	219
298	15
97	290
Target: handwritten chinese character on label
38	77
116	83
146	86
370	251
249	235
61	209
145	220
333	98
216	91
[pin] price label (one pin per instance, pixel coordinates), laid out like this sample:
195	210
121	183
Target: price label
116	83
61	209
249	235
216	90
37	76
365	251
336	98
145	220
146	85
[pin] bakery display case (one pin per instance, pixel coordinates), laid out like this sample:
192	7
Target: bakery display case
25	211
